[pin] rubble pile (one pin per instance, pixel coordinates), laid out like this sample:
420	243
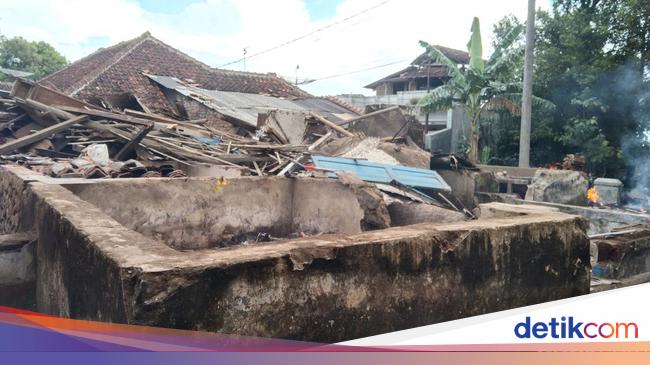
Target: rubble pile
69	138
64	137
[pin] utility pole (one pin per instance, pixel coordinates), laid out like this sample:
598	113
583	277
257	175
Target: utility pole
426	117
245	50
527	99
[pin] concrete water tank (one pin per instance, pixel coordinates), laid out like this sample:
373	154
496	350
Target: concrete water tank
609	190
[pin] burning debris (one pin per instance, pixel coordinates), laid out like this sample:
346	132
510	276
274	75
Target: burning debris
592	196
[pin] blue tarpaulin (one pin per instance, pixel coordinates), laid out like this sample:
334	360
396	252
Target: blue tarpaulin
383	173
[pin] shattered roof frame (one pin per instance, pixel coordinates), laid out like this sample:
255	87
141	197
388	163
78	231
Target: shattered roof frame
245	107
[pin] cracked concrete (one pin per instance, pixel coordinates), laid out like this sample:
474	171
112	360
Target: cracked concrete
329	287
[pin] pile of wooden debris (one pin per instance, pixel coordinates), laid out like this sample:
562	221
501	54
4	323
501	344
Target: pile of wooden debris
65	137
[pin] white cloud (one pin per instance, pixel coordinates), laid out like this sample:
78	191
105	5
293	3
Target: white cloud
216	31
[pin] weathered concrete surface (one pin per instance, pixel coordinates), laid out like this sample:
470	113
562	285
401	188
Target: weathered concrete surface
326	288
558	186
405	212
600	220
624	256
17	271
201	213
16	211
465	184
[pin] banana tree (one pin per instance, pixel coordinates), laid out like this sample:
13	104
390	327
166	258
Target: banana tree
477	87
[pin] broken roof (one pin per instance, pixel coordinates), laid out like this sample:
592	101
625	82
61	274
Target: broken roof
119	69
412	72
456	55
245	107
16	73
418	68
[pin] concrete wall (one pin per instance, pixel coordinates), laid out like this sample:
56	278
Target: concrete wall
400	98
201	213
16	213
465	184
324	288
600	220
17	271
17	263
327	288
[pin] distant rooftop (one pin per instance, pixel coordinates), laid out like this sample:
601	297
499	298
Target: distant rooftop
424	65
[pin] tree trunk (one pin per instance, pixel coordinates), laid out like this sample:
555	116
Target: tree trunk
472	154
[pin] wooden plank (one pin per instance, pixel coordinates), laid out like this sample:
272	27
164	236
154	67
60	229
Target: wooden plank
151	116
133	143
332	125
311	147
257	168
107	115
164	120
36	105
9	123
40	135
377	112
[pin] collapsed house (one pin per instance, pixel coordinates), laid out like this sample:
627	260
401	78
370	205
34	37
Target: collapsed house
140	186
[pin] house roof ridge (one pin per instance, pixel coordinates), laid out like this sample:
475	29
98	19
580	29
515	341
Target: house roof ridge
97	51
144	37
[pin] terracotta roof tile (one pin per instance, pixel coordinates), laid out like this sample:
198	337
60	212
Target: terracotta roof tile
120	69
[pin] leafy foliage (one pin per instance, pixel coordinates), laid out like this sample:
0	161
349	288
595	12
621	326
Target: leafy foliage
37	57
592	62
481	86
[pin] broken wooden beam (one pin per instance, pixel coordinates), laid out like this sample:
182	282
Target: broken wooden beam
161	119
311	147
108	115
372	114
129	146
36	105
332	125
40	135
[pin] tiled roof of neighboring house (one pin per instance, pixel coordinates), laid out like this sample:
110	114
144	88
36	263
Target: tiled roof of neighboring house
342	103
418	68
412	72
120	69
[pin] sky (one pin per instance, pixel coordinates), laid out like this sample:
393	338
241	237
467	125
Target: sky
342	44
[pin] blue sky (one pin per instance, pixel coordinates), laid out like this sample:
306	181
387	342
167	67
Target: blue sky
217	31
318	9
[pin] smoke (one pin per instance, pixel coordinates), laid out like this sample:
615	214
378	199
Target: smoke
635	147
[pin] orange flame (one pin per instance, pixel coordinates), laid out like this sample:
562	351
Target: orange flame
592	195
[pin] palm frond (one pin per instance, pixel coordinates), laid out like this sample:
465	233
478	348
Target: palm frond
506	42
475	48
440	98
507	59
502	103
499	87
537	102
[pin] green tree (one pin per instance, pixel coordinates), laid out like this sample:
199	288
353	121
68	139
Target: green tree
39	58
591	61
480	86
590	69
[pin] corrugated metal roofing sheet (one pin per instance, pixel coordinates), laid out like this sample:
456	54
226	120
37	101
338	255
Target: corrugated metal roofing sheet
383	173
245	107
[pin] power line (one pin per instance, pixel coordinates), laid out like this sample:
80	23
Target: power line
309	81
308	34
